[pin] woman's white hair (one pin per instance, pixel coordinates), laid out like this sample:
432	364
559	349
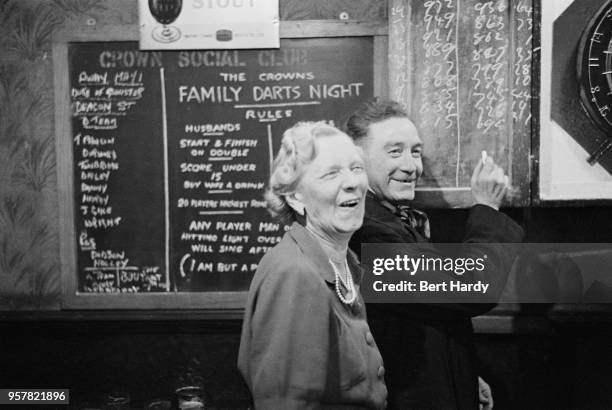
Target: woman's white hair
298	149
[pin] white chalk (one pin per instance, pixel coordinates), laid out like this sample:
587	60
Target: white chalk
484	156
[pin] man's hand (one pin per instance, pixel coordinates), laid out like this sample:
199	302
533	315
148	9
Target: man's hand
485	397
489	183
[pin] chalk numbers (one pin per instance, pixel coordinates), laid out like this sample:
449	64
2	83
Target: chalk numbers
438	85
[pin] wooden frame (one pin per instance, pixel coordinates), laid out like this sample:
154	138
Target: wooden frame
213	301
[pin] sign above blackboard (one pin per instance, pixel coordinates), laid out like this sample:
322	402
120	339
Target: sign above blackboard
169	154
208	24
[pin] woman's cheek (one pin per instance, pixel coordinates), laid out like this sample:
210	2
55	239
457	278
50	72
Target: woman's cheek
364	181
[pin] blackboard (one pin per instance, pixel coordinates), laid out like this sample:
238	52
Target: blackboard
463	69
169	154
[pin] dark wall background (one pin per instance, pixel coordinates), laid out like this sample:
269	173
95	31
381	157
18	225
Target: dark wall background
533	356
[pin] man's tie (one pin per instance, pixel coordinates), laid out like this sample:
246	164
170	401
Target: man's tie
415	219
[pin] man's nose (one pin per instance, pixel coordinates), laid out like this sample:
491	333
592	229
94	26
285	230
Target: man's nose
409	164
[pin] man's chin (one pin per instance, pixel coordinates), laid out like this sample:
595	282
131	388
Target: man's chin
404	196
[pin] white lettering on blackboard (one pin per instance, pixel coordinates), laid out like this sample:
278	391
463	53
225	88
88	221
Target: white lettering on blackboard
96	153
215	94
93	78
218	152
82	92
249	185
98	123
233	143
130	59
256	250
185	143
208	128
267	114
129	78
276	92
91	140
101	165
107	254
521	95
238	167
94	199
188	167
200	225
233	76
200	237
120	92
286	76
235	238
268	239
189	264
191	184
101	222
86	243
282	57
226	267
231	203
232	226
210	59
230	249
94	188
95	176
268	227
258	203
201	248
197	152
321	91
88	107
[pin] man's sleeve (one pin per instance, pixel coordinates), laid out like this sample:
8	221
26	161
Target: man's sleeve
486	225
486	229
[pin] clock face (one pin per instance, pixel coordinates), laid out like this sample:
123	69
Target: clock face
595	68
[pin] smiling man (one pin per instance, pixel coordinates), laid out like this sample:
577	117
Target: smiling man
427	348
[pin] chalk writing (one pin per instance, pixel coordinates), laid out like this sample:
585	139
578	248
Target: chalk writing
101	98
489	68
173	150
463	71
521	86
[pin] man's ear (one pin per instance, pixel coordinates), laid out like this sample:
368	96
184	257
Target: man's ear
294	201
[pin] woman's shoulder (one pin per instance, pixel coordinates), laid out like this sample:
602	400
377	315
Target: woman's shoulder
285	264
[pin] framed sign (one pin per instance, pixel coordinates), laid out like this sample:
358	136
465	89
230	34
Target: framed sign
208	24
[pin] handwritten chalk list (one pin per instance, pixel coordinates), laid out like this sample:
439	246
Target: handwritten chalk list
172	151
116	189
463	70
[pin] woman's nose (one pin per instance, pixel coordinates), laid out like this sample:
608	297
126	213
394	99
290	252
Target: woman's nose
350	180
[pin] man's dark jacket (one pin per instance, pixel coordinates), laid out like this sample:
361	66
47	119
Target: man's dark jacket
428	349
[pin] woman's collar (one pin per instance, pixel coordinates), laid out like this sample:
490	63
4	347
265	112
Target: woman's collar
312	249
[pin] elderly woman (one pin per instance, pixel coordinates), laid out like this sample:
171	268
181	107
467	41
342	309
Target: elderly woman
305	342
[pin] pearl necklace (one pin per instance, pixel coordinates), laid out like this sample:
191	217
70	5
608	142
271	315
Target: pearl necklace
348	284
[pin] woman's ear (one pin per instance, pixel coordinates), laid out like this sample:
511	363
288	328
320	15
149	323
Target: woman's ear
294	201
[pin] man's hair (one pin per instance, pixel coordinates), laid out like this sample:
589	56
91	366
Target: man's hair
372	111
